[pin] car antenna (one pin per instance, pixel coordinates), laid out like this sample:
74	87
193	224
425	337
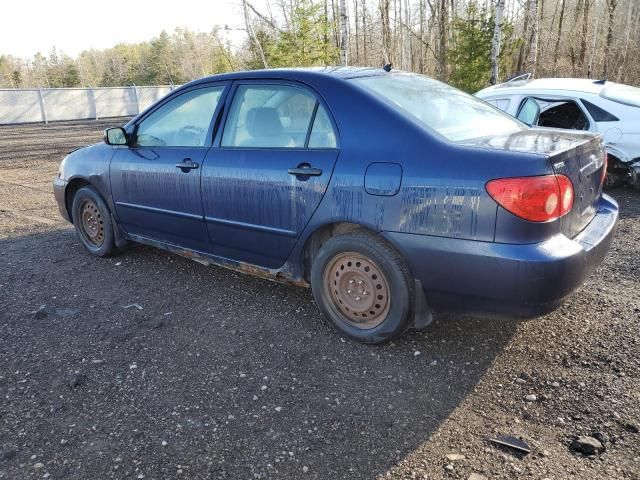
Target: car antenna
387	67
600	82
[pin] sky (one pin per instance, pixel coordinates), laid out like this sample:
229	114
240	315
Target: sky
31	26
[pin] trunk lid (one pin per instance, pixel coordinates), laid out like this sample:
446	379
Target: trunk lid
583	164
577	155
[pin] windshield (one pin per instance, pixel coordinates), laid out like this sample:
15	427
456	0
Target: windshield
452	113
622	94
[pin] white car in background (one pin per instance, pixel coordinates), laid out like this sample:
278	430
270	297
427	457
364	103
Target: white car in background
609	108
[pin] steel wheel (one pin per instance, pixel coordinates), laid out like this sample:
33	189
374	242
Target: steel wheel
358	290
92	223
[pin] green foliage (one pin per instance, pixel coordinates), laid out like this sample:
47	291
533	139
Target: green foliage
471	54
306	43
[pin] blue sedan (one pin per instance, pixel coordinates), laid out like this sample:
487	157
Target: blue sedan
391	194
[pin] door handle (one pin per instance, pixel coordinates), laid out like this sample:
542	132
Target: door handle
305	170
187	164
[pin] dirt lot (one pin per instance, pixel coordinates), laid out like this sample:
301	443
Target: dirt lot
220	375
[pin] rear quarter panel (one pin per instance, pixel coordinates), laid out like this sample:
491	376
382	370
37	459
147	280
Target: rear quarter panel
442	192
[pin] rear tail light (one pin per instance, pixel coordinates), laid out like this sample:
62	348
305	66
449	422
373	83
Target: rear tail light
604	166
537	199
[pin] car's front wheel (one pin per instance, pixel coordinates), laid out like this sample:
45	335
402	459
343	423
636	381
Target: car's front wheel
92	220
363	287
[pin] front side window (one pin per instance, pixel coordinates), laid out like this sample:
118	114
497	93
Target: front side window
181	122
273	116
529	111
563	114
452	113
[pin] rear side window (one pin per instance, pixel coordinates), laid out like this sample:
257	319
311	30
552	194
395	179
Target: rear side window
322	133
452	113
277	116
598	114
181	122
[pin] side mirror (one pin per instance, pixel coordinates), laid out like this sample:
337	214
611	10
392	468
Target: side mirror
115	136
529	112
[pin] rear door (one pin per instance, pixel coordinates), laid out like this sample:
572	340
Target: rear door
268	172
155	181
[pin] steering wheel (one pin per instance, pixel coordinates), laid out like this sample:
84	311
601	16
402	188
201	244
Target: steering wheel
192	135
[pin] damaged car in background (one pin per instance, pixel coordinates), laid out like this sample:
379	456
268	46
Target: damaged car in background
390	194
600	106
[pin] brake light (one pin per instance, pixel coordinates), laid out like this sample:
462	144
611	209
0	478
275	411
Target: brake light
537	199
604	166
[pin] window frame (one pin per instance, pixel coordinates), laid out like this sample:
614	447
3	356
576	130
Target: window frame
214	124
557	99
217	142
586	103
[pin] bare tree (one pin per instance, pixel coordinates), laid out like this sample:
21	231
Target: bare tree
442	39
252	34
611	6
556	51
386	31
344	33
495	43
585	29
532	56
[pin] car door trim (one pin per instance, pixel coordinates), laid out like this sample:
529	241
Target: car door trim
251	226
159	210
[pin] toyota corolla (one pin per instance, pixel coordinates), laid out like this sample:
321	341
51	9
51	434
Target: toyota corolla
390	194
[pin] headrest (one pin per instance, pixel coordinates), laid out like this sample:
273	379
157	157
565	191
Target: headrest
263	122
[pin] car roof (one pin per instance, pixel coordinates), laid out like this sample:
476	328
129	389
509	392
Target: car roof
297	73
584	85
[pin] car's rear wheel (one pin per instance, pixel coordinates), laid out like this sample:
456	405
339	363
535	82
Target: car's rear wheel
363	287
92	220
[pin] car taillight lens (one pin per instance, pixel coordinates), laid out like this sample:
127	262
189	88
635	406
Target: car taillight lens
537	199
604	167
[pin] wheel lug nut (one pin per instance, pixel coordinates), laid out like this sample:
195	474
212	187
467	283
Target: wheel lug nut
351	281
359	282
358	299
348	291
365	293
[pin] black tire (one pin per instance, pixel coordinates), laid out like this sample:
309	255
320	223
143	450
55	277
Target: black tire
92	221
337	264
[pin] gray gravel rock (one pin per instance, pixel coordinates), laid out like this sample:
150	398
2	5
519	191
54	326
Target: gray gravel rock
8	454
41	313
587	445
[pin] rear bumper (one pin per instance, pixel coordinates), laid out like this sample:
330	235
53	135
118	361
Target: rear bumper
59	187
494	279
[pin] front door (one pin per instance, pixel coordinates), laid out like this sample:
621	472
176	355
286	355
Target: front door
266	177
155	182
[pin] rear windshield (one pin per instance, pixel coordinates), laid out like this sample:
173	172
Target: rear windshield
622	94
452	113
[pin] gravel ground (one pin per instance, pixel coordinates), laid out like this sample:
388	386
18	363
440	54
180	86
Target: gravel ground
148	365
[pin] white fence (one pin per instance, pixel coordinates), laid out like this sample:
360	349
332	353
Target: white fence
55	104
